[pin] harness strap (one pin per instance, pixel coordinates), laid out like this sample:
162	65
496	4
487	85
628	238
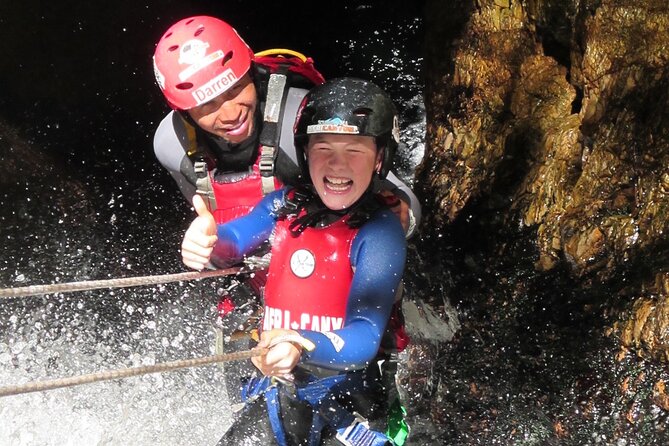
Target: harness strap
203	184
274	411
194	152
265	385
193	148
352	429
269	137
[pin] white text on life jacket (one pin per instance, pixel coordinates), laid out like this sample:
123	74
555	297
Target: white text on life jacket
277	318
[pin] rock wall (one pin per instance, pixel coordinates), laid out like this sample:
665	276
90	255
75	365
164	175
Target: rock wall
555	114
546	199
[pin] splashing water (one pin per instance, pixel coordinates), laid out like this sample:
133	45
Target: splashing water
101	213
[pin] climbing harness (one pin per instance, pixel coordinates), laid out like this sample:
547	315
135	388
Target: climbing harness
38	386
352	429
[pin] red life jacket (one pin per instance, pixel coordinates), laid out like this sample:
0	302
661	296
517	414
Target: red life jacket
309	277
237	198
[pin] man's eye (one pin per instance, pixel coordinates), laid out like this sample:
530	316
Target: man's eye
208	107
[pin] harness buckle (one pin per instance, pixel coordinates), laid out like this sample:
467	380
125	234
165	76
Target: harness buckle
266	168
200	167
357	433
288	383
266	163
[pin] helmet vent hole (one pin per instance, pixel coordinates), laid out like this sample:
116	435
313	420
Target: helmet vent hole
173	48
167	36
227	58
184	86
199	31
362	111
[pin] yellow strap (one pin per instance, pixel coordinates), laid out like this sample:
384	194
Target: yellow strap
281	52
192	138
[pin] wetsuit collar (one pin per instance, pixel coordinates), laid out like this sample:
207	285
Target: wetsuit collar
311	212
235	157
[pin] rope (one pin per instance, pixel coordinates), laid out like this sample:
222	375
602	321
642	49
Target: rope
38	386
34	290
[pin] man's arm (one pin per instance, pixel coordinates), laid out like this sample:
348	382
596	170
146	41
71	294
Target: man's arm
170	143
408	209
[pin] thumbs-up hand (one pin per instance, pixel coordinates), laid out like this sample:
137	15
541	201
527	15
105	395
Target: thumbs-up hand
200	238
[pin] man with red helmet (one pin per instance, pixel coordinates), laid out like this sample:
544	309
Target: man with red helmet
229	136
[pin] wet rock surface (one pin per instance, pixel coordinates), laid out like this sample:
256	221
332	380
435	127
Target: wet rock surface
544	180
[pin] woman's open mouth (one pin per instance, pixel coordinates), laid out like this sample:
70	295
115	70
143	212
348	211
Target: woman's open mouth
337	185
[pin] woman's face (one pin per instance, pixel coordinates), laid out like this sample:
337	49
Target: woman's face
341	167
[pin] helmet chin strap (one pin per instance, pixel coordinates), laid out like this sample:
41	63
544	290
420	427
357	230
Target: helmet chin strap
312	212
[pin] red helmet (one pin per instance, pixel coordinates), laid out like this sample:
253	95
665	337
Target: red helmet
199	58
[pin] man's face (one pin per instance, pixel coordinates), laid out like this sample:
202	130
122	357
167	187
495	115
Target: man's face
229	115
341	167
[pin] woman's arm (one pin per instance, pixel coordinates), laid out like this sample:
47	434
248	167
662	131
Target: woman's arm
244	235
226	244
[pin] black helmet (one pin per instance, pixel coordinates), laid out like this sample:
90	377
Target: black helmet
348	106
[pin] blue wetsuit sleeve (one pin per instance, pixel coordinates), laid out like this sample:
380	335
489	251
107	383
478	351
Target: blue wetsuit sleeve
243	235
378	255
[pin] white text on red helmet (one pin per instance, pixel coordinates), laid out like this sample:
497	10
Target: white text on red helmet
214	87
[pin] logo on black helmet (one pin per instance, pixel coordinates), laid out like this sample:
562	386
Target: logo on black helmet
333	125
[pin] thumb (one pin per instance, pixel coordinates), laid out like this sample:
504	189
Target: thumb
205	222
200	206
